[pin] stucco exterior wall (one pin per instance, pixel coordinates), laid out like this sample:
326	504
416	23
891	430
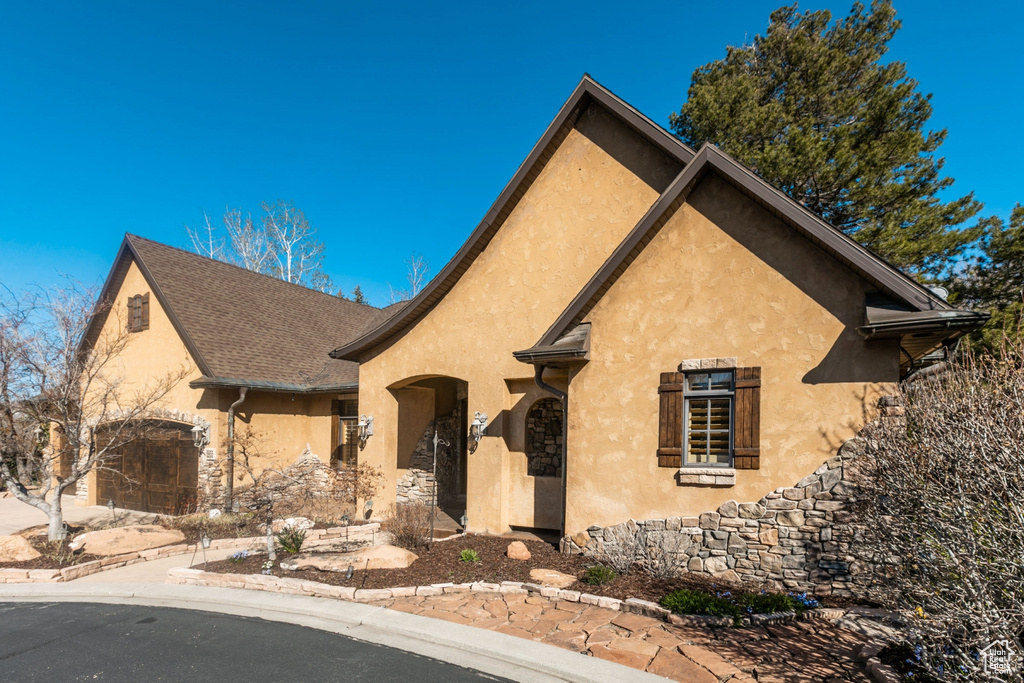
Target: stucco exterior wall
582	204
148	357
722	279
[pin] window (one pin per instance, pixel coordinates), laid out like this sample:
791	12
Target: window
708	412
710	417
138	312
345	433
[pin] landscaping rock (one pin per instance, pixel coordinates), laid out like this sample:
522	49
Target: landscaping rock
549	577
517	550
127	539
301	523
16	549
377	557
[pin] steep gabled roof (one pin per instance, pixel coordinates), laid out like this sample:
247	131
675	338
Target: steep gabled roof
919	302
241	327
586	93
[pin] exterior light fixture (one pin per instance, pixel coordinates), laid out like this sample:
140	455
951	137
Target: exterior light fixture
368	507
348	573
464	521
62	532
205	543
110	506
235	506
344	519
200	435
365	426
477	429
38	431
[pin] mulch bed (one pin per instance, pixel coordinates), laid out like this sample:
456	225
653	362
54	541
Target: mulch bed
50	559
442	565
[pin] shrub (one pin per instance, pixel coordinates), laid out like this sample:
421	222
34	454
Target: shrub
469	555
598	575
770	603
944	486
687	601
291	539
409	525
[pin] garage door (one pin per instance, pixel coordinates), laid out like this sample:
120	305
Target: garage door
158	473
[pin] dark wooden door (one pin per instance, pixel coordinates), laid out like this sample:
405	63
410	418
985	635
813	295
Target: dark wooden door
155	473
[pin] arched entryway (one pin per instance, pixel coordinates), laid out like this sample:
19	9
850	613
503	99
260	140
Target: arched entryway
156	472
429	406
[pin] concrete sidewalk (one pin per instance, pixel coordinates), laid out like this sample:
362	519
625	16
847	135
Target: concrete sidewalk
16	516
486	651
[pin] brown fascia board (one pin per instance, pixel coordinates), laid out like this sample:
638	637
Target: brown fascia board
113	282
588	91
262	385
710	159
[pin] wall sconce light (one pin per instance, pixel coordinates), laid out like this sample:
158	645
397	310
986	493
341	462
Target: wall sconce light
365	429
201	435
38	431
477	429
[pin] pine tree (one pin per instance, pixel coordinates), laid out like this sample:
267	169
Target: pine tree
996	281
811	108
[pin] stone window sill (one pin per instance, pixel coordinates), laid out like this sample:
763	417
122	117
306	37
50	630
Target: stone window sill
706	476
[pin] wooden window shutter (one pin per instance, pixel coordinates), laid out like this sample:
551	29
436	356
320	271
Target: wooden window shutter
670	420
130	325
335	432
144	316
747	430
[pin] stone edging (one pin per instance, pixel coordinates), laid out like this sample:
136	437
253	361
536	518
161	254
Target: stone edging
77	571
282	584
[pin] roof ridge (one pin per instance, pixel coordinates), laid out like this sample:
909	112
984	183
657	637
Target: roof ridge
132	236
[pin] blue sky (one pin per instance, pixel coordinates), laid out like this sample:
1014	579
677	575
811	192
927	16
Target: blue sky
393	129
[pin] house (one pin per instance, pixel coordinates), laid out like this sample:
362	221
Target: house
683	334
254	349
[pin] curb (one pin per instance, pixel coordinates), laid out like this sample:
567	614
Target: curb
883	673
282	584
493	653
77	571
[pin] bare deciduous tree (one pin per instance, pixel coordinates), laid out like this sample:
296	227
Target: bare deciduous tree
282	244
55	383
945	510
416	277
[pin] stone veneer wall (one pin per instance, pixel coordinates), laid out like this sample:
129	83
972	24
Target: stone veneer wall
544	438
795	538
417	484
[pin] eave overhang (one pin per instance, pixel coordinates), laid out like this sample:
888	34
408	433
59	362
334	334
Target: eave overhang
262	385
573	347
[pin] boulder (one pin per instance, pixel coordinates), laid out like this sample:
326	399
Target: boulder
377	557
301	523
16	549
517	550
126	539
549	577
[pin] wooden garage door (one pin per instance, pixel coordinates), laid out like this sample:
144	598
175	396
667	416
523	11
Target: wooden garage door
158	473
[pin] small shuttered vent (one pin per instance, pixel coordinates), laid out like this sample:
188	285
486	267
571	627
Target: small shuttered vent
747	435
670	420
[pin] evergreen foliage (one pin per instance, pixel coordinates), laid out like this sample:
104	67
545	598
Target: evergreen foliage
812	109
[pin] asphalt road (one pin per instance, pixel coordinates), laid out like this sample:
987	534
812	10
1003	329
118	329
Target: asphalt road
122	643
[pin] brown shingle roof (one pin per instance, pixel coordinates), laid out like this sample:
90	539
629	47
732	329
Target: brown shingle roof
243	327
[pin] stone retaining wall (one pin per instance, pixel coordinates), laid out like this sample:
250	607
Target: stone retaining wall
358	533
795	538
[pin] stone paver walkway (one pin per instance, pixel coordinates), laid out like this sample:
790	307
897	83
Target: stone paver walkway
793	652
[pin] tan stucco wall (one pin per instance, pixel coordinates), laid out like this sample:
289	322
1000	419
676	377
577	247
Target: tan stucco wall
579	208
149	357
285	426
723	278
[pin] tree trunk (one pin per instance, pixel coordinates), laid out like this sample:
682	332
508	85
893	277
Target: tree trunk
271	552
56	517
